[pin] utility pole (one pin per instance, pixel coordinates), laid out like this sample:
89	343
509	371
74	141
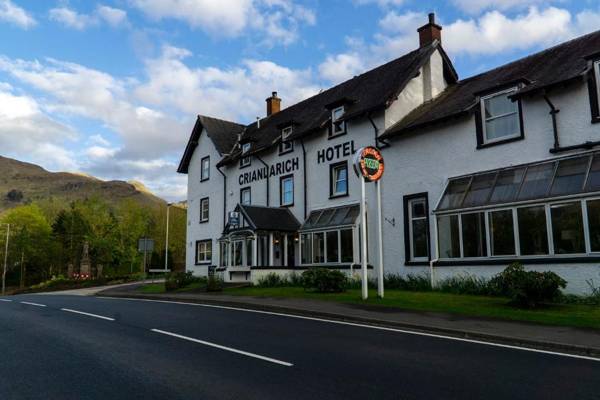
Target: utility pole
167	239
5	259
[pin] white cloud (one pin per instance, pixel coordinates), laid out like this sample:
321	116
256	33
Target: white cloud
338	67
72	19
476	6
277	20
380	3
42	139
11	13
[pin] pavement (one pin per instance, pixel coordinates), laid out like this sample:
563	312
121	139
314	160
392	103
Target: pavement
553	338
89	347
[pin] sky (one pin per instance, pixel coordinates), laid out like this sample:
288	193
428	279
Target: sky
112	88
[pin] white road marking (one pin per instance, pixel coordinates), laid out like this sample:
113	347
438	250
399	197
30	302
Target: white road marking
88	314
217	346
6	300
33	304
381	328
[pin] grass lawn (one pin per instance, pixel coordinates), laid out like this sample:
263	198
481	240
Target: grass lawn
155	288
480	306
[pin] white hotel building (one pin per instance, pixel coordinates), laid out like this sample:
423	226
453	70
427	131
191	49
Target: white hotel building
480	172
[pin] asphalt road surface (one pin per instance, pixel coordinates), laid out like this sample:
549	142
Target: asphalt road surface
73	347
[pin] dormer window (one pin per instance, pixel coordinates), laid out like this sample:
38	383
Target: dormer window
245	161
338	126
286	145
500	118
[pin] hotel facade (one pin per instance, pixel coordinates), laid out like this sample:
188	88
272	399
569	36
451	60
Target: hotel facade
479	172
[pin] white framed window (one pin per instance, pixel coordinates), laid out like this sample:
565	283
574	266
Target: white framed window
203	251
286	145
286	188
334	246
205	169
204	210
500	117
338	179
246	196
245	161
338	126
418	221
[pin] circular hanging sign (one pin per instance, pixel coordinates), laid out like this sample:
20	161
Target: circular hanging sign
368	163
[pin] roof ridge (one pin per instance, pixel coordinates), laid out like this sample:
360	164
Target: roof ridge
536	54
201	116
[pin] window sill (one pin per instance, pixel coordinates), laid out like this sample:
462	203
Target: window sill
282	153
204	180
337	196
245	166
506	261
499	142
287	205
416	263
596	120
203	264
203	222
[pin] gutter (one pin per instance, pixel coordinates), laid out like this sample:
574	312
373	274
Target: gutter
304	172
553	112
224	196
384	143
268	183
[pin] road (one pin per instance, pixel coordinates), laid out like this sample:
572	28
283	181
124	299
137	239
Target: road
76	347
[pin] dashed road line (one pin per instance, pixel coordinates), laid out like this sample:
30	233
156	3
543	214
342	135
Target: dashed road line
33	304
6	300
87	314
218	346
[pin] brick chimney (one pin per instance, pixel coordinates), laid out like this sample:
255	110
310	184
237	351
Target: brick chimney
273	104
429	32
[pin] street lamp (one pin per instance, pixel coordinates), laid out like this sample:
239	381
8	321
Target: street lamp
5	259
167	239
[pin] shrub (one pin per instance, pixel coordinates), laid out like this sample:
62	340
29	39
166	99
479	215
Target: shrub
214	284
272	280
178	280
418	283
465	285
591	299
527	288
324	280
295	279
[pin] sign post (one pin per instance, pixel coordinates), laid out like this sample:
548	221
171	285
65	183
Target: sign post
369	167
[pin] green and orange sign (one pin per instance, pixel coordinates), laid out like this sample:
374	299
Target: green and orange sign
368	163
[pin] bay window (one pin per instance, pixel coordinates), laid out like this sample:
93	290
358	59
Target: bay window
533	230
333	247
567	228
327	247
318	247
502	239
473	235
448	236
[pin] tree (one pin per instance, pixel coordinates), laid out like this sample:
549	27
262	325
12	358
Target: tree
30	240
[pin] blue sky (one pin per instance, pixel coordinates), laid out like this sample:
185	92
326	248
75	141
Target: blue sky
111	88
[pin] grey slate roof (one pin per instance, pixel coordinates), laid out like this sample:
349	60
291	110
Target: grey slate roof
270	218
370	91
223	134
544	70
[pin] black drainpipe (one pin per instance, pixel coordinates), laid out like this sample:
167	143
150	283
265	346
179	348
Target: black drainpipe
378	141
224	197
553	112
304	172
267	166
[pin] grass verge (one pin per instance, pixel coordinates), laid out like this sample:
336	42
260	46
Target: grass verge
576	315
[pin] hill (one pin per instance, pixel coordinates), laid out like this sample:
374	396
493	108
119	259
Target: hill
22	183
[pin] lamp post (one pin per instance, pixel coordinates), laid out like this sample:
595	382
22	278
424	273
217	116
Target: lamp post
167	238
5	259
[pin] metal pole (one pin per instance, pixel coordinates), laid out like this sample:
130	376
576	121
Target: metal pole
380	244
5	260
167	240
363	212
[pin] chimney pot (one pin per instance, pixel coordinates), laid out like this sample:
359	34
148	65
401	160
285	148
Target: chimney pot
273	104
429	32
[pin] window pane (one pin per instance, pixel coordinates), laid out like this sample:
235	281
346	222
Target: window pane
593	211
473	234
418	209
507	185
499	105
593	182
347	246
537	181
340	180
454	193
533	234
502	234
339	216
420	247
480	189
449	242
223	253
306	243
569	176
237	253
332	247
318	247
567	228
502	126
249	252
